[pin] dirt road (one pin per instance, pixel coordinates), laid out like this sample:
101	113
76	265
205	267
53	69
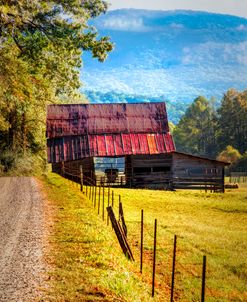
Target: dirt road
21	232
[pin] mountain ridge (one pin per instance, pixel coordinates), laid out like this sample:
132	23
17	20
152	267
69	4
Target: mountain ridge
176	54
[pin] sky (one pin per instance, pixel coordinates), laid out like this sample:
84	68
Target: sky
231	7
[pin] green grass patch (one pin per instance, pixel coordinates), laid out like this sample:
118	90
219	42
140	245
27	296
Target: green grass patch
213	224
86	261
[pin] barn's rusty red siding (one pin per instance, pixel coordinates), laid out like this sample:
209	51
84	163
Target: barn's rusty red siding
79	131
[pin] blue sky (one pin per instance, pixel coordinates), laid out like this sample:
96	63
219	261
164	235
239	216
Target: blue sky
232	7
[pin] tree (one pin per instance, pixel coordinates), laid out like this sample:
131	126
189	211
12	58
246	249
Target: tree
230	155
240	164
196	131
233	120
41	47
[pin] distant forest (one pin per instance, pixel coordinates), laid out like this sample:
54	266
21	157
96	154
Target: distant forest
216	132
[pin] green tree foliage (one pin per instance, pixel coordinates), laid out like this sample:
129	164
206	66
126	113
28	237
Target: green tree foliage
196	131
240	164
204	131
230	155
233	120
41	47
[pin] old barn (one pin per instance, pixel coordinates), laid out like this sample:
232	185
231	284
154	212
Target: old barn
129	144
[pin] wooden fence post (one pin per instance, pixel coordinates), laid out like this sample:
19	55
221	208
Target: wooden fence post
223	179
141	247
121	219
120	234
203	278
108	203
99	200
103	203
119	202
81	178
92	194
154	256
95	196
173	266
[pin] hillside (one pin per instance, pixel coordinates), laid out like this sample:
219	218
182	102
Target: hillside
174	54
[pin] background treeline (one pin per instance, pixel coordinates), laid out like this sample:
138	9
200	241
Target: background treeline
41	45
222	132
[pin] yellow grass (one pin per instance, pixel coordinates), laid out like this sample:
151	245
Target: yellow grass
89	263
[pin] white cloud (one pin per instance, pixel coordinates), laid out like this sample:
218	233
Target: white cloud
242	27
177	25
120	23
206	53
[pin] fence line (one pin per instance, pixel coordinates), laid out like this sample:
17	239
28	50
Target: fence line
238	177
86	183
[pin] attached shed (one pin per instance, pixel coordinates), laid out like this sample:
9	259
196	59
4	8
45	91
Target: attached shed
175	170
138	133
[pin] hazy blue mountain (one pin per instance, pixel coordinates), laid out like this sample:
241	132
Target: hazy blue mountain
173	55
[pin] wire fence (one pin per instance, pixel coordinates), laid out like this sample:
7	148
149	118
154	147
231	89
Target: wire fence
162	260
238	177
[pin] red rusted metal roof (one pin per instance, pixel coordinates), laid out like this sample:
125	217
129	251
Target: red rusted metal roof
79	131
77	147
64	120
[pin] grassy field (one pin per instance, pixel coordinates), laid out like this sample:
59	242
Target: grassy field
88	263
208	224
85	261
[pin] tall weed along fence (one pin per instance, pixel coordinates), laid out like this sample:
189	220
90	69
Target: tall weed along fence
161	260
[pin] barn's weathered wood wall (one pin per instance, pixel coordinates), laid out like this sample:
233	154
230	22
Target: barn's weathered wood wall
174	170
148	171
191	172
